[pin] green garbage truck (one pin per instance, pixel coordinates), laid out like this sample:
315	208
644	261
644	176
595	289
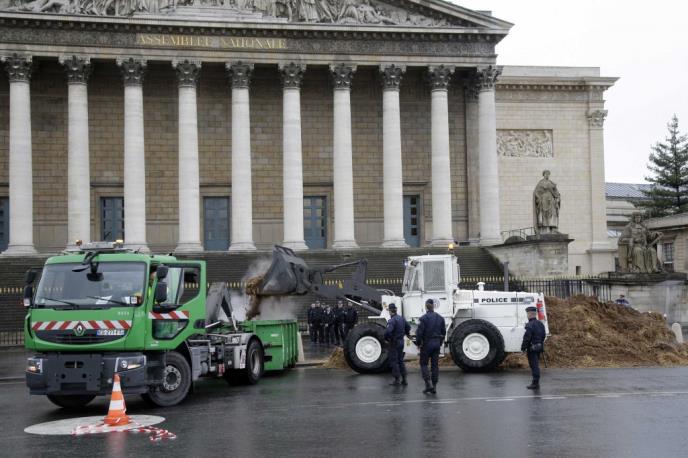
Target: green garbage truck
101	309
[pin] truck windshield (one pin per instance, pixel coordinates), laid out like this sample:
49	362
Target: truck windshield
74	286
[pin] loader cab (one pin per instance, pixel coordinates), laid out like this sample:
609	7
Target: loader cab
429	277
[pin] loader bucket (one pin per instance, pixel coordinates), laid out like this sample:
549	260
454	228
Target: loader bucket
288	274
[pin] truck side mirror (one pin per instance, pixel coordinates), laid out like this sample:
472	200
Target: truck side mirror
28	295
161	272
29	277
160	292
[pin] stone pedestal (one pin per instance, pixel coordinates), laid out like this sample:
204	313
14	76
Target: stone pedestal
538	256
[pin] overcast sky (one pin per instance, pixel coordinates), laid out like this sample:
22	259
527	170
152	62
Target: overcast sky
643	43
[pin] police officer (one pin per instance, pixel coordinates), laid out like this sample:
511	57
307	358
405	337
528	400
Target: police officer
318	323
311	327
397	328
339	317
533	344
329	325
429	338
350	319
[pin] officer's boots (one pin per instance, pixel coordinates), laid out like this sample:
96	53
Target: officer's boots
403	381
434	387
428	387
535	385
395	382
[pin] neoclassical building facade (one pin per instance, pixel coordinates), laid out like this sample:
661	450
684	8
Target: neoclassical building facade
333	124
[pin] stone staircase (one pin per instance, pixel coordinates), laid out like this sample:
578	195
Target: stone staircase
385	271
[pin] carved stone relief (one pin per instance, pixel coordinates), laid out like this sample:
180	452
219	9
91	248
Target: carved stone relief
325	11
525	143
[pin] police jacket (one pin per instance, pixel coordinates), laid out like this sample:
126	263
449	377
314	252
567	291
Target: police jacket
431	326
351	315
339	315
535	334
310	315
329	317
397	328
317	315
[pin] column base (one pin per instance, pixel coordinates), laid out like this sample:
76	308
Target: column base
242	246
491	241
188	247
344	244
19	250
441	242
140	247
298	245
394	244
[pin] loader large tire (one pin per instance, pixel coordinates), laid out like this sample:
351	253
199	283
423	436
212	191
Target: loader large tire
477	346
365	349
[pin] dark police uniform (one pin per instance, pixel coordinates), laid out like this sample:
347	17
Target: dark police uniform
350	319
311	327
339	317
534	336
317	317
397	328
429	337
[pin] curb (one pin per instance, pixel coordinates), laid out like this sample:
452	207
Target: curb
11	379
310	364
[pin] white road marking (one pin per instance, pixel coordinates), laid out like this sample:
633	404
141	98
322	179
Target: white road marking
549	398
499	400
608	396
450	401
391	404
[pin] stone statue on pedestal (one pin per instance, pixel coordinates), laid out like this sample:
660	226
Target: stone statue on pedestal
638	247
546	203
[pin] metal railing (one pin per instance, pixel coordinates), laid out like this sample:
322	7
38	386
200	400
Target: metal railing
522	233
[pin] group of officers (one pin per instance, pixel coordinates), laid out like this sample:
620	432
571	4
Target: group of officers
430	336
328	325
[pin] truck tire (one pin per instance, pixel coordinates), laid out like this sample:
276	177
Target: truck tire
176	382
477	346
71	401
365	349
255	364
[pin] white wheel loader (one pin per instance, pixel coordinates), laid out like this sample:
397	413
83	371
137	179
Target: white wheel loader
482	326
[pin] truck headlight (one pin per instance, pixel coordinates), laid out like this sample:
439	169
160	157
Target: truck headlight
235	340
34	365
127	363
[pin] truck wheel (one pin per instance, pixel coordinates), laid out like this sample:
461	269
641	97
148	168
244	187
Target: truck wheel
176	382
477	346
365	349
71	402
255	364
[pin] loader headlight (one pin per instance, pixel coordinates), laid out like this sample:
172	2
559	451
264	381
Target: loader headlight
34	365
127	363
235	340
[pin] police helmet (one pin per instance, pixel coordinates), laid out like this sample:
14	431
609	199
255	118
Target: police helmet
392	307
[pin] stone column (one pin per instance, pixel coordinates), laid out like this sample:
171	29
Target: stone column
344	227
490	229
242	195
440	77
601	257
472	161
392	175
292	167
20	169
78	170
134	154
189	187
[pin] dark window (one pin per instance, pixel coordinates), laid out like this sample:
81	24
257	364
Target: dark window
412	220
216	223
668	255
112	218
4	222
315	221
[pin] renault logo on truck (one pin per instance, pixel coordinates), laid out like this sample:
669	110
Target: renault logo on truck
79	330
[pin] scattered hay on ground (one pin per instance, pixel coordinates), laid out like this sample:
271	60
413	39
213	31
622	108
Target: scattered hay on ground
589	333
336	360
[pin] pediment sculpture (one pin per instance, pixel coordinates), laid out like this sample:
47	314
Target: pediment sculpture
312	11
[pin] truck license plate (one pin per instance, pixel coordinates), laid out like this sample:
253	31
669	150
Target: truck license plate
110	332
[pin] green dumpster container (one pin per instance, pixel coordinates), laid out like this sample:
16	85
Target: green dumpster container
279	339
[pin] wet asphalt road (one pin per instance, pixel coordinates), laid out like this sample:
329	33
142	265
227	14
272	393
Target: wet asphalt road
319	412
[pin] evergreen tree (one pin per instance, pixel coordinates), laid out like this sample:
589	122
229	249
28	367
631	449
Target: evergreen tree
669	167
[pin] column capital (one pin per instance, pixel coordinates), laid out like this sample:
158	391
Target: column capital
188	71
292	74
18	67
342	75
391	76
596	118
239	74
78	69
486	78
440	77
132	70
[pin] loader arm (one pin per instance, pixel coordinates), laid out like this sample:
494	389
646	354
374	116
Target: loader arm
290	275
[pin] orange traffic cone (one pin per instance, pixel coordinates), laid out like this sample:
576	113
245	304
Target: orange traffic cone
117	415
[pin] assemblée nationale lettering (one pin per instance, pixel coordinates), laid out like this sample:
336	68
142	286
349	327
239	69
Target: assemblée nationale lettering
193	41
